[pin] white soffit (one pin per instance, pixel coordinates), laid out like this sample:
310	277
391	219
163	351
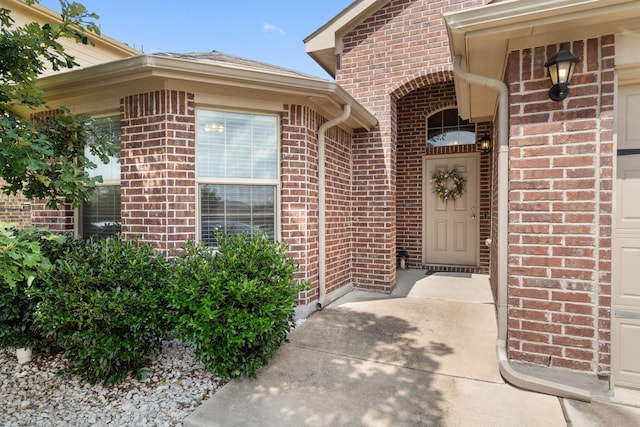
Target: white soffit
483	36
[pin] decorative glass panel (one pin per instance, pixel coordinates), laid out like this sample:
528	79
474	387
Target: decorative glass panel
446	128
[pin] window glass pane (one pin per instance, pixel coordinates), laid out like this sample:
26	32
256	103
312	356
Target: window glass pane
101	216
237	145
447	128
435	122
236	209
211	143
450	117
455	137
265	153
108	127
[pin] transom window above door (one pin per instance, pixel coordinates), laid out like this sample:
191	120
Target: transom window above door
446	128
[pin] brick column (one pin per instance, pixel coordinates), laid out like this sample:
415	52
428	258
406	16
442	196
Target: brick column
158	190
299	198
560	207
299	192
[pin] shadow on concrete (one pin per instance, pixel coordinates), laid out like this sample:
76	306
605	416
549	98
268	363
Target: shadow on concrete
376	359
381	337
343	367
423	356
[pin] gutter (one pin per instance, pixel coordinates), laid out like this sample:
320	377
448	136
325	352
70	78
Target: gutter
116	79
510	375
322	229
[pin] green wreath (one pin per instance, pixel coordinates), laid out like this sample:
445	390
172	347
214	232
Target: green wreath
448	184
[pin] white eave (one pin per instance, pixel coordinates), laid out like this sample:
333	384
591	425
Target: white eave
324	43
150	72
484	36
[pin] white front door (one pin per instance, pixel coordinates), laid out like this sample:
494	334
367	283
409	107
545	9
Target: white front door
625	327
451	226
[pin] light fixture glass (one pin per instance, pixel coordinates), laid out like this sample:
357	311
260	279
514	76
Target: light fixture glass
485	143
561	68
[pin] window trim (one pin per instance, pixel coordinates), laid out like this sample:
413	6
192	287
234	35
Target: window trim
275	182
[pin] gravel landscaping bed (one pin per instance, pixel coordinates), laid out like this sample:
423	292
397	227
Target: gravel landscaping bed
35	395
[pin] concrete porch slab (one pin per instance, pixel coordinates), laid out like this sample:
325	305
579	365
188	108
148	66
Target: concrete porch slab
398	361
436	336
303	387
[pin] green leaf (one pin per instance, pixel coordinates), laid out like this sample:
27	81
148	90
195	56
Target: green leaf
42	158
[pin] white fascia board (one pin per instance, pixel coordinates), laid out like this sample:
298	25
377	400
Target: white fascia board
483	36
148	68
529	18
512	14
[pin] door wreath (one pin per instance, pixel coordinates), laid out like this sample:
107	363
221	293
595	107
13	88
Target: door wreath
448	184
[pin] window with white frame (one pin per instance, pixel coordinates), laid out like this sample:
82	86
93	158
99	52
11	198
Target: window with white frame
237	172
445	128
101	216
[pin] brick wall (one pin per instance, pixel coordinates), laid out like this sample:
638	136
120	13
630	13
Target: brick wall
157	160
299	198
15	210
560	207
338	215
299	193
60	220
384	58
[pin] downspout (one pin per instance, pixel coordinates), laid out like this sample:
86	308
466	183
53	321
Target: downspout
510	375
322	229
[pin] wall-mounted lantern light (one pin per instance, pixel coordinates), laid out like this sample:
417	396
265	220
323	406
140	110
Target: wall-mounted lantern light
560	69
485	143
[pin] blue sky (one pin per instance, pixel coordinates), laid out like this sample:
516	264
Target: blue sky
264	30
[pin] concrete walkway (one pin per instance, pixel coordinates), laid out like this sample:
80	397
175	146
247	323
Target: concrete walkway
424	356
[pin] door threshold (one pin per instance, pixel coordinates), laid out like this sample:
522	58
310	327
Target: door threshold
451	268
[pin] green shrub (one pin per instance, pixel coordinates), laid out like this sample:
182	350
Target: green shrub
105	307
236	307
22	265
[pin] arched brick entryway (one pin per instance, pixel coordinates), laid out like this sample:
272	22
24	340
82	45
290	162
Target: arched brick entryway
414	101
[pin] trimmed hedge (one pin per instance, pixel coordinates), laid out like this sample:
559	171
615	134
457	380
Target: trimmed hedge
236	307
105	306
108	304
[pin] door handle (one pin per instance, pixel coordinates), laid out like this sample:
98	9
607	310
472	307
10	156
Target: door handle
473	212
